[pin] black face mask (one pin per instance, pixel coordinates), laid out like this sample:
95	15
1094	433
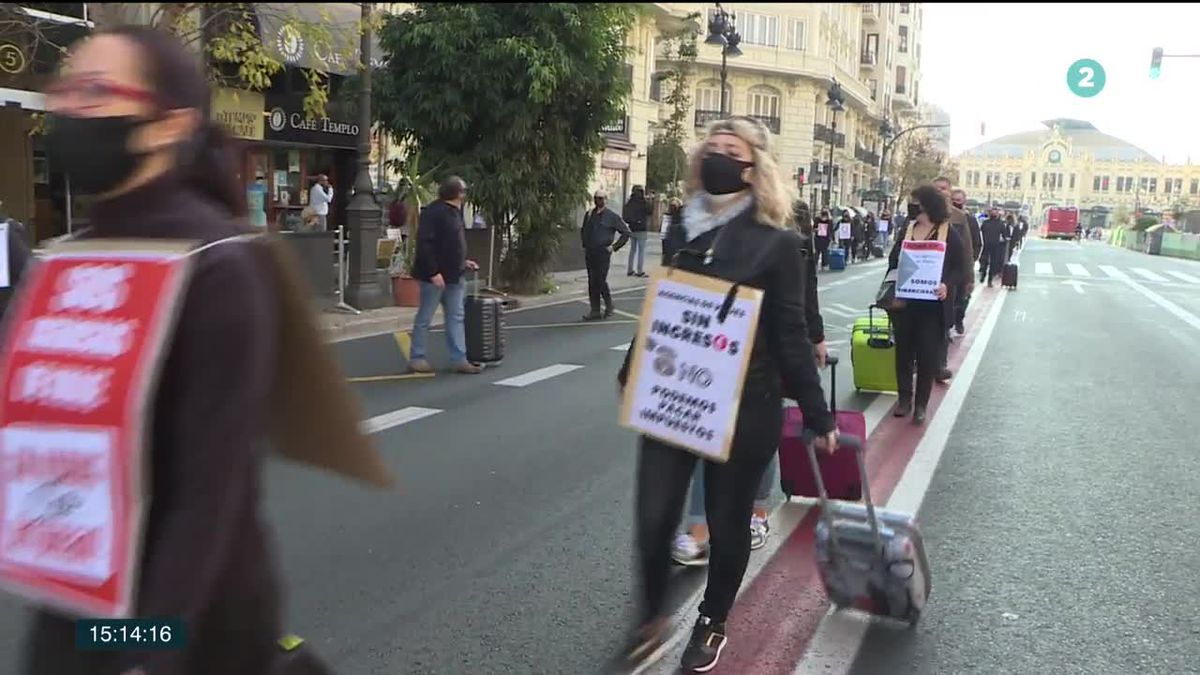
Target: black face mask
93	151
722	174
599	204
958	205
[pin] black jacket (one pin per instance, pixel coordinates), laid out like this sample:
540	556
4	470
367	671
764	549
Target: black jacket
599	228
18	259
994	231
636	212
781	362
441	243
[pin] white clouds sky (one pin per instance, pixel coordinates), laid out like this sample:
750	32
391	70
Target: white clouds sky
1005	64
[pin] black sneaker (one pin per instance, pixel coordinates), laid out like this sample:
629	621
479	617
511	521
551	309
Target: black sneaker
945	375
960	328
704	649
644	649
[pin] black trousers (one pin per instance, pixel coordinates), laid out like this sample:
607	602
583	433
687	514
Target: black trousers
920	331
598	261
822	244
664	474
991	263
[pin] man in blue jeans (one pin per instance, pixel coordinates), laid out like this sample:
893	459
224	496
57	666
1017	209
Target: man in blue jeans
439	263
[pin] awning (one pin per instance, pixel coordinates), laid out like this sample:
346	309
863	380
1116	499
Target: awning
321	36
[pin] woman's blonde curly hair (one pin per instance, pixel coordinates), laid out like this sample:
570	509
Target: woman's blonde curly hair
772	194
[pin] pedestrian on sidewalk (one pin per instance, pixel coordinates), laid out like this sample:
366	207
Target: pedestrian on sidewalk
920	326
319	198
735	228
962	299
130	123
636	213
600	225
439	264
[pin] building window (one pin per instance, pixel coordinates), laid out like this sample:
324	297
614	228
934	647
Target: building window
873	85
1032	178
764	106
870	52
1072	186
1178	186
1016	181
759	29
1195	186
901	80
708	97
796	35
903	39
1104	184
904	7
1153	185
1095	183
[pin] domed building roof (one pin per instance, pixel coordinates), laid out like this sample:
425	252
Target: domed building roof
1082	137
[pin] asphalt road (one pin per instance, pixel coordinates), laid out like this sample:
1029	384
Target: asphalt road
507	547
1061	524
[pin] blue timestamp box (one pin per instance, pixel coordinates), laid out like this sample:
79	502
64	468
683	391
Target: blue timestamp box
129	635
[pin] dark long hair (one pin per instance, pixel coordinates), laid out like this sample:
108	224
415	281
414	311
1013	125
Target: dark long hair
176	76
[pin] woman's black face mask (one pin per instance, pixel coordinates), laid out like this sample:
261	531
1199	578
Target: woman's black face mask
722	175
93	151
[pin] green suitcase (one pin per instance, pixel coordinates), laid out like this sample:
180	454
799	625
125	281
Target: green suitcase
873	353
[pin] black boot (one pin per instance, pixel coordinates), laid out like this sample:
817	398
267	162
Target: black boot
919	414
608	312
594	315
903	407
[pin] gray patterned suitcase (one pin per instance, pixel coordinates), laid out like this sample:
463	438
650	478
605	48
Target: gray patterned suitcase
870	559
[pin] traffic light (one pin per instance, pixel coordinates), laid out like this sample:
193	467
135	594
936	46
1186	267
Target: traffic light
1156	63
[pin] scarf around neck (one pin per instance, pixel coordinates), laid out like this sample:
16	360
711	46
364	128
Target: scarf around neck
699	220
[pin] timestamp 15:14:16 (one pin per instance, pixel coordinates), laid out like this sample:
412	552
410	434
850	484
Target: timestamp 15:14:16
129	635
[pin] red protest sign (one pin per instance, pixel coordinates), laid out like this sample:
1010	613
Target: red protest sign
80	359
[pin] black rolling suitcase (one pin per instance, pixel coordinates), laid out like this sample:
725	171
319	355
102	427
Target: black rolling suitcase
1008	275
484	327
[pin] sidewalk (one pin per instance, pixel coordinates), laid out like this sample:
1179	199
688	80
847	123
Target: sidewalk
340	326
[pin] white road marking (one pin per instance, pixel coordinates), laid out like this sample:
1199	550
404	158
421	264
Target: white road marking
1078	270
1114	272
1076	284
395	418
535	376
1185	277
1181	313
1019	316
837	311
1147	274
844	308
1043	268
838	637
621	348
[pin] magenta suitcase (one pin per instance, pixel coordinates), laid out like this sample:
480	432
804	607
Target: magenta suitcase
839	470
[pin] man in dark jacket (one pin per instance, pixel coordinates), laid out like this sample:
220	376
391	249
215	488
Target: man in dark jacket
439	264
599	227
17	260
995	246
822	233
637	211
958	197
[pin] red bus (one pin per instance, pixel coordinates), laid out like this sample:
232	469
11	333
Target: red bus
1060	222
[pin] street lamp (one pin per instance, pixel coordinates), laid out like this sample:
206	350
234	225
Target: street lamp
364	289
835	101
722	32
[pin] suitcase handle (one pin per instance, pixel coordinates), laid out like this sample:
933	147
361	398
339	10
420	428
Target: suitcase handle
823	497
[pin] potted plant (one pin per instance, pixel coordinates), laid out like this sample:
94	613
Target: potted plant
415	189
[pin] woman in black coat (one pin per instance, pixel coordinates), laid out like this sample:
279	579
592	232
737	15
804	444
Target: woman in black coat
735	228
921	325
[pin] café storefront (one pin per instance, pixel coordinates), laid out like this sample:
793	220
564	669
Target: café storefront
281	152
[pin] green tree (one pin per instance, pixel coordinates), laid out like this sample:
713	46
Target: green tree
666	159
227	33
920	162
511	97
1121	215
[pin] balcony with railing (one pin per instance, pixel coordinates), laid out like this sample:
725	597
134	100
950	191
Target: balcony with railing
821	133
871	11
866	156
706	117
772	123
868	60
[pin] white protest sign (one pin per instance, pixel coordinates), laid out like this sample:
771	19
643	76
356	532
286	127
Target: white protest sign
5	282
920	271
688	366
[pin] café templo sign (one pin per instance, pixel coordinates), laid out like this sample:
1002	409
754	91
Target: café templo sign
286	121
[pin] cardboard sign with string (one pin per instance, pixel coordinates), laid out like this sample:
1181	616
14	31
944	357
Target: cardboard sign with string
689	362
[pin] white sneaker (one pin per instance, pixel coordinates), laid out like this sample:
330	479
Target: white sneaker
760	530
687	551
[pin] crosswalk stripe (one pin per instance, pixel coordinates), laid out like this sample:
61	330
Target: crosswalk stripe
1043	268
1147	274
1114	272
837	312
396	418
1078	270
535	376
1185	277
